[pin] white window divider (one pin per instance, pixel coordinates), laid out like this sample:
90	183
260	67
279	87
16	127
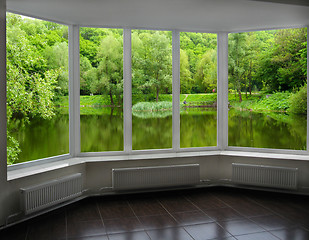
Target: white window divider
74	90
127	90
222	92
176	90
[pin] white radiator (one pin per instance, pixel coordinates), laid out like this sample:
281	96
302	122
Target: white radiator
153	177
47	194
266	176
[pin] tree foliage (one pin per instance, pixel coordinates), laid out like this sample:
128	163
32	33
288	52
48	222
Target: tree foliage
37	66
152	64
32	78
272	61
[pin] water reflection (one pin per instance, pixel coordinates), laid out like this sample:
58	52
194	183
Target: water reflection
102	130
267	130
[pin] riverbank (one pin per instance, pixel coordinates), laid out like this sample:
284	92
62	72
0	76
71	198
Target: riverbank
257	102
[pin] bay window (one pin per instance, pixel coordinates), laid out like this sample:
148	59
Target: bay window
267	91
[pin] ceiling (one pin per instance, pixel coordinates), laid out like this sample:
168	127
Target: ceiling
189	15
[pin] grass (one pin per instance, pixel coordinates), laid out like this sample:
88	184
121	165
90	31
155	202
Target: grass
93	101
202	97
259	102
104	100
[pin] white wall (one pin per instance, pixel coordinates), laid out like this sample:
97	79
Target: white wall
98	175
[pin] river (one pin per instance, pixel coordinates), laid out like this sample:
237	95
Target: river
102	130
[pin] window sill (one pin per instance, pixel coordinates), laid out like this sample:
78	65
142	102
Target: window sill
26	171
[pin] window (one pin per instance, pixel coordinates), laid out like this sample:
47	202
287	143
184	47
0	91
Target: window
198	88
268	89
151	89
37	89
101	89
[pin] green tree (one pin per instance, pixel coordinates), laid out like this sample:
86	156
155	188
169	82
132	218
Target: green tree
31	82
186	81
206	72
57	57
152	62
237	63
110	69
283	64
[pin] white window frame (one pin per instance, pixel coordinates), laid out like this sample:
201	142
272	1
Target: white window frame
275	150
74	106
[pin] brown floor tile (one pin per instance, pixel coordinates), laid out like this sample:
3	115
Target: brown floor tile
157	222
224	238
272	222
205	200
240	227
85	210
129	236
246	214
85	229
191	218
251	210
99	237
291	234
115	209
232	197
50	226
207	231
169	234
223	214
179	204
120	225
257	236
147	207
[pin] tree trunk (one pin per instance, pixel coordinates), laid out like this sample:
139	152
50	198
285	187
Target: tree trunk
250	78
111	97
239	93
157	98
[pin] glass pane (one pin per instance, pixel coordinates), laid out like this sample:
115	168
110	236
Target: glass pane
268	89
37	89
198	89
151	89
101	89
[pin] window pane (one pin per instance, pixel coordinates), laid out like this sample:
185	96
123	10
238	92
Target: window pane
151	89
37	89
268	89
198	88
101	89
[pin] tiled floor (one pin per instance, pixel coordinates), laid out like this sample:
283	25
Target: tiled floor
209	213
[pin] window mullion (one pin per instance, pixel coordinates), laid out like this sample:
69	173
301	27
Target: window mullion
3	137
307	90
74	90
127	90
222	93
176	90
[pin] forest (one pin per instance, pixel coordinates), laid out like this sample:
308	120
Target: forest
260	63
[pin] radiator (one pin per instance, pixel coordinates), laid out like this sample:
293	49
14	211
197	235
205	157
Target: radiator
266	176
47	194
153	177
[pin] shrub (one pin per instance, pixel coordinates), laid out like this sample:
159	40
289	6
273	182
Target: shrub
152	106
298	101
